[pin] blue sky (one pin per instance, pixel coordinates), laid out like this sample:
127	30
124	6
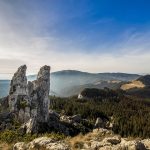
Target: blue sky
87	35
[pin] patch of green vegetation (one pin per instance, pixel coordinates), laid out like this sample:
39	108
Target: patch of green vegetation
93	93
13	136
16	123
23	105
8	136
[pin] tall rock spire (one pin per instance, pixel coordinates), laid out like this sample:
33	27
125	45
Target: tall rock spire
18	86
30	101
40	95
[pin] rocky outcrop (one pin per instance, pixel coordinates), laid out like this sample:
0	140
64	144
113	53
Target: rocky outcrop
29	101
71	119
113	140
103	139
30	104
42	143
18	98
146	142
38	92
18	88
98	139
39	95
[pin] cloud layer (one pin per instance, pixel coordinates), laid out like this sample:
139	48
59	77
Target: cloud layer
31	35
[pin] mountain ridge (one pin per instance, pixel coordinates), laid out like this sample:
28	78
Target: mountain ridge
62	82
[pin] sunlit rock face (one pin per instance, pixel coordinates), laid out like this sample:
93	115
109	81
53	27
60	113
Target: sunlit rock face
39	94
18	88
19	81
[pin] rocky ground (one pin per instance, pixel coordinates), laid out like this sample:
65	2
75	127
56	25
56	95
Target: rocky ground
98	139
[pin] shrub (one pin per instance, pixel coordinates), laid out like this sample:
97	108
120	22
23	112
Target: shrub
9	136
12	136
23	104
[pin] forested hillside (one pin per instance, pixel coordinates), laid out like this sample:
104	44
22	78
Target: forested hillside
131	115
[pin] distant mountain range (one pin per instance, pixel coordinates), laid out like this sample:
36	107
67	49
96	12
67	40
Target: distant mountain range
70	82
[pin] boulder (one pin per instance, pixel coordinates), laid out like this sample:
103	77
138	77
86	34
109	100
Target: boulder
146	142
99	123
19	146
66	119
102	131
113	140
95	145
136	145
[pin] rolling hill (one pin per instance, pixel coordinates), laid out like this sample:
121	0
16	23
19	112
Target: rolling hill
70	82
139	83
139	87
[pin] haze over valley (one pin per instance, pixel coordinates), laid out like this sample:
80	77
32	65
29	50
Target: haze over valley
70	82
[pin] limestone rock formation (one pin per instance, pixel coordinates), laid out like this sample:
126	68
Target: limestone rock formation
19	81
29	105
38	92
29	101
113	140
103	139
42	143
146	142
18	99
39	95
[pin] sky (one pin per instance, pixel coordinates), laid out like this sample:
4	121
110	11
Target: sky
86	35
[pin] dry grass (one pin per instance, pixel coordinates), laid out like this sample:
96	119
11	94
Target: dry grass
5	146
133	84
77	141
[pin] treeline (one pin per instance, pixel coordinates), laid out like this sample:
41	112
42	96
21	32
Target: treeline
131	115
93	93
